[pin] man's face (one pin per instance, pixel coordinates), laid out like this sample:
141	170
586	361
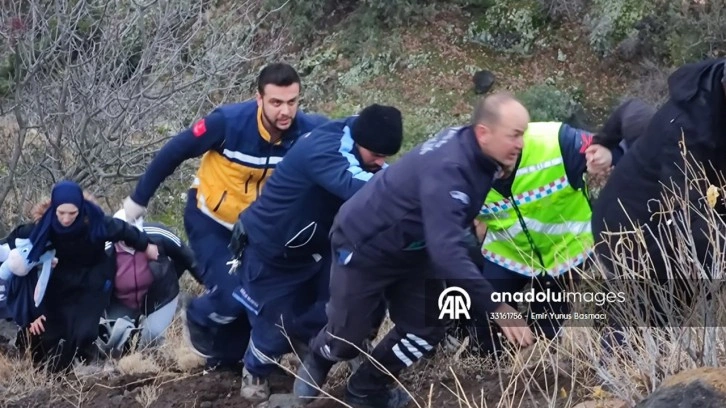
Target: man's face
371	161
504	140
279	105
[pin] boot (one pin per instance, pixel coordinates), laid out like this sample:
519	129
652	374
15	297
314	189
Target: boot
311	376
369	387
355	363
393	397
254	389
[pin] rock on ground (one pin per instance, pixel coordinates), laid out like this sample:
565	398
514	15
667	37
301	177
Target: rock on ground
703	387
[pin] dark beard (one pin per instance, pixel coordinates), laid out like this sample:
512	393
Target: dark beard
271	123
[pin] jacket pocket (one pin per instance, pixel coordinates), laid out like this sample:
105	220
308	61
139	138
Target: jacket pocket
303	237
220	201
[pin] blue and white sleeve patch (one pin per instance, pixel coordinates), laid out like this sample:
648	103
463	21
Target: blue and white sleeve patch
346	149
460	196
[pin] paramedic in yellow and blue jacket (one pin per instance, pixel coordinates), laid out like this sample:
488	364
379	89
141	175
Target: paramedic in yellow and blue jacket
241	144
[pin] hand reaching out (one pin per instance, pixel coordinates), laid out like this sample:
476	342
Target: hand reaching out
481	230
599	159
514	328
36	327
152	252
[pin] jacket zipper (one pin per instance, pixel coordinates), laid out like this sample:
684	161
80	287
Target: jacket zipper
247	183
216	207
264	172
137	301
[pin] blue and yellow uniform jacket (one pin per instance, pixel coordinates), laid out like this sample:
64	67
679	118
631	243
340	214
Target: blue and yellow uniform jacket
237	158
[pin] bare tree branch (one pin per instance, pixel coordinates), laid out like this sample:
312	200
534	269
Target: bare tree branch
98	86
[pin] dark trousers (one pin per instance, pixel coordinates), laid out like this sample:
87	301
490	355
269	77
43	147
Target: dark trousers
209	240
484	332
284	304
358	290
74	302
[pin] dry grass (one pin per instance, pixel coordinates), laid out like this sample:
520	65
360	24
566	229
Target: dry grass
138	363
147	395
560	373
175	353
18	379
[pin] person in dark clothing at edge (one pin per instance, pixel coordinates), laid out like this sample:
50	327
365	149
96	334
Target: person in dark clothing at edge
145	292
402	229
537	223
65	324
4	252
284	272
625	125
691	120
241	144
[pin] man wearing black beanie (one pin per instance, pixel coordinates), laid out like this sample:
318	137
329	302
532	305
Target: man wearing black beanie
284	273
378	131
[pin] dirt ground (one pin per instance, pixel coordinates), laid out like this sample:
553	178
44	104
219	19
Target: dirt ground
215	389
207	389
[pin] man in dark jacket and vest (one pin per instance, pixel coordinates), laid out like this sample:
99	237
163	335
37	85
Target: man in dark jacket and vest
240	144
538	222
285	268
637	204
400	238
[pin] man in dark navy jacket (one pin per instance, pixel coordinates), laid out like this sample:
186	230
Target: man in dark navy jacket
402	229
285	268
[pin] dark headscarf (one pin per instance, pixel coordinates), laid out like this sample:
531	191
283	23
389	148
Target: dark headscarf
89	219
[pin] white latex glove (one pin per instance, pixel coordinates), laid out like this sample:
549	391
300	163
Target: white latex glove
133	210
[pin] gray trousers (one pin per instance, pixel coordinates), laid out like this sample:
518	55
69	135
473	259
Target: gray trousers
153	326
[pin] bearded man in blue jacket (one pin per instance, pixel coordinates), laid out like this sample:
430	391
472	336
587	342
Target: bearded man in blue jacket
284	273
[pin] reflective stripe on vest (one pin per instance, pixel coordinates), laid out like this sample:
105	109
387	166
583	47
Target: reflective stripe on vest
556	216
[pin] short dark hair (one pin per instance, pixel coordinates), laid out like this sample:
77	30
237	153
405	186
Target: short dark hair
279	73
487	109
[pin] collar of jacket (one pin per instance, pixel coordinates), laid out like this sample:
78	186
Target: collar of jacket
348	123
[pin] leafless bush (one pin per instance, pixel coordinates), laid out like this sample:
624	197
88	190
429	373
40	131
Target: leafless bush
691	300
559	10
90	89
652	84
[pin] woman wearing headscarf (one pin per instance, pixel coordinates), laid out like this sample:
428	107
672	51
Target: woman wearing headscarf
65	323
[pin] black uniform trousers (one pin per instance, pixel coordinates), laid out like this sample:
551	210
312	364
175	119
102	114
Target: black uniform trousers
358	287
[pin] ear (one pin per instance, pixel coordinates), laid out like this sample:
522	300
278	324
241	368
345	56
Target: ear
258	96
481	132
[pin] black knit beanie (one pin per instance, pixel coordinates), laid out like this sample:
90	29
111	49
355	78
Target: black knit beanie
379	128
